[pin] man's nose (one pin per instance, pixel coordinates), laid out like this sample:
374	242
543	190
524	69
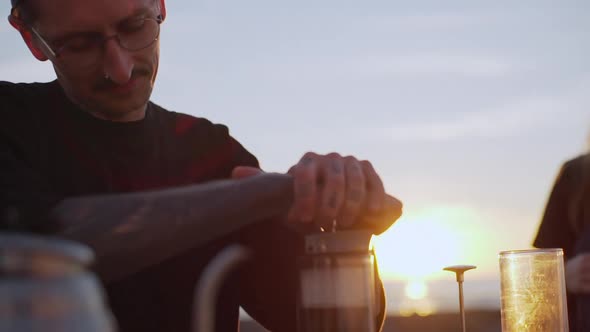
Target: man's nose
118	63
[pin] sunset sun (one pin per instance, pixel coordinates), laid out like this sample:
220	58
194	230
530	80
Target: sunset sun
419	245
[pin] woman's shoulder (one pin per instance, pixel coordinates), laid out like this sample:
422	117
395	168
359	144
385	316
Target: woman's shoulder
577	164
575	173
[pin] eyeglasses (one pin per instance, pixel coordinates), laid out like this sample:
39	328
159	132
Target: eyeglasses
86	49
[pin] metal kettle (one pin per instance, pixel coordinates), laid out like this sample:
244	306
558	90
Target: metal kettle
44	286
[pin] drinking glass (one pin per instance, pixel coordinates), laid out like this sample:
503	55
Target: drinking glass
533	296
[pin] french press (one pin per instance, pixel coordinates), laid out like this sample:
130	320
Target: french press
337	283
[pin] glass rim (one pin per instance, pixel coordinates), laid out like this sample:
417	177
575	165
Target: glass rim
530	251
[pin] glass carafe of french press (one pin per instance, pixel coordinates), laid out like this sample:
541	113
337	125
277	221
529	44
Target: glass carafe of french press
337	283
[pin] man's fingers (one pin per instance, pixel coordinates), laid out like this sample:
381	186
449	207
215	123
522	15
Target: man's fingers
332	191
305	175
330	187
375	190
355	192
379	223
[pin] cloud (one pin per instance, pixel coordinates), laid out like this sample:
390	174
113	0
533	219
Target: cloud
418	65
432	21
511	119
438	64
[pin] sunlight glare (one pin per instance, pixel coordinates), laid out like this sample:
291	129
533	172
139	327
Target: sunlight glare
419	245
416	290
422	307
425	310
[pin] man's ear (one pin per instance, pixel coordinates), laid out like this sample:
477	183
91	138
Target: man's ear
163	9
27	38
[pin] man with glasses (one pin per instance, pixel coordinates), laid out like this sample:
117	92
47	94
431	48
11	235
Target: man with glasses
90	152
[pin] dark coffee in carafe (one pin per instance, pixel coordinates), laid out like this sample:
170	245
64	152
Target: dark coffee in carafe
337	283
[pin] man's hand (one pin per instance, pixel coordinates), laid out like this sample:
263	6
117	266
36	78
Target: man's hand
242	172
332	188
577	274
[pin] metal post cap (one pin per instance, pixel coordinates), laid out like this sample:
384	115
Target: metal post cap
459	270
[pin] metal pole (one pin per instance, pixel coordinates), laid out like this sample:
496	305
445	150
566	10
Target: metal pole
461	306
459	271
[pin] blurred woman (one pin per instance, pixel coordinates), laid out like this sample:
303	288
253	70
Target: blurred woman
566	224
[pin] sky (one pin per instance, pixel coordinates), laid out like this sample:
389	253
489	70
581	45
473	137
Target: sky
466	109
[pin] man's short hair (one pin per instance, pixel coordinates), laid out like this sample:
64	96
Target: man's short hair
24	11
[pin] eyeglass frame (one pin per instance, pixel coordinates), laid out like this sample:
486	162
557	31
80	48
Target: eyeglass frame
103	40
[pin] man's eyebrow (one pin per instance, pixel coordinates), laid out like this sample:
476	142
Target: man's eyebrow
143	11
70	35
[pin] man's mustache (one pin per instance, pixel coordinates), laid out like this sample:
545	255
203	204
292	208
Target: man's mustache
106	84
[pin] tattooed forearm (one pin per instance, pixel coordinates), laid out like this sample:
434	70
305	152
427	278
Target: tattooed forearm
131	231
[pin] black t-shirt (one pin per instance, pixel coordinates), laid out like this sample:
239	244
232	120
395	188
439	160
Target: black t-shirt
50	150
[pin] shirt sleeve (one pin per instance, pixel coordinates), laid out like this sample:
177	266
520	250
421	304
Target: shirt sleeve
555	230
